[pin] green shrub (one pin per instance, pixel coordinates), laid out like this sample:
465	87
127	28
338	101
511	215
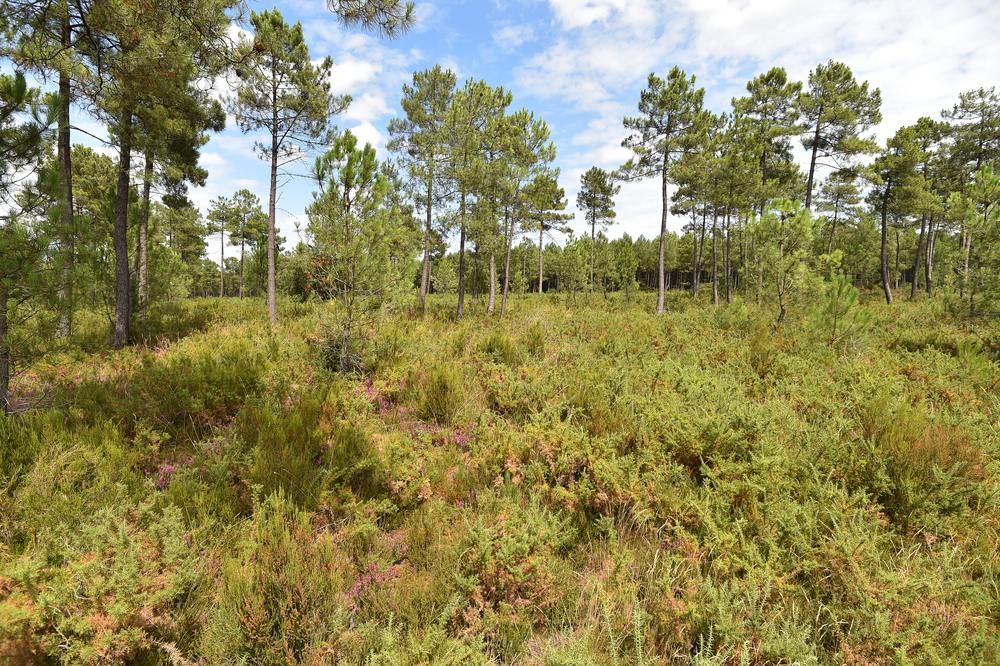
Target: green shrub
104	590
534	340
279	596
443	394
498	347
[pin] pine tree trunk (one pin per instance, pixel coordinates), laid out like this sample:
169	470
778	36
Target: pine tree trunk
242	246
491	306
729	264
123	288
966	249
812	162
147	184
4	353
833	230
885	231
660	277
425	277
929	259
64	326
222	261
509	228
915	284
461	261
593	249
715	259
897	276
541	231
272	298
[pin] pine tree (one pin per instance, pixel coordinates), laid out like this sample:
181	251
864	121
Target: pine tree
544	200
670	113
23	248
475	106
596	200
773	114
284	95
362	243
422	140
837	110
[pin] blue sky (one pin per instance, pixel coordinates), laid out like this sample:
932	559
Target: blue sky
580	65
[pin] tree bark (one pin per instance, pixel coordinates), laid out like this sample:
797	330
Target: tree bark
541	232
593	249
833	230
715	259
461	261
147	183
491	306
425	276
915	284
929	261
272	298
966	250
242	250
123	291
729	264
4	353
812	162
222	261
509	228
660	278
896	277
64	326
885	258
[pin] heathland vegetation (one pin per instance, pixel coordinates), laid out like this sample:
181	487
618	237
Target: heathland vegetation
447	429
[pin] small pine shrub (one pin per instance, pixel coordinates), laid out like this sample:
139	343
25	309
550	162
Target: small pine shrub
839	318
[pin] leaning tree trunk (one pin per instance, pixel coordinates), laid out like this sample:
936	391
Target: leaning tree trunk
123	291
929	260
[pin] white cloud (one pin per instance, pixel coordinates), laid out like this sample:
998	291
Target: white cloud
367	133
216	164
512	36
369	107
577	14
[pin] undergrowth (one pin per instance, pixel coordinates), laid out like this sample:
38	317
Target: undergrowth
584	486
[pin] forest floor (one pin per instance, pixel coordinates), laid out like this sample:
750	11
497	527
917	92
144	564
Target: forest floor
576	484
